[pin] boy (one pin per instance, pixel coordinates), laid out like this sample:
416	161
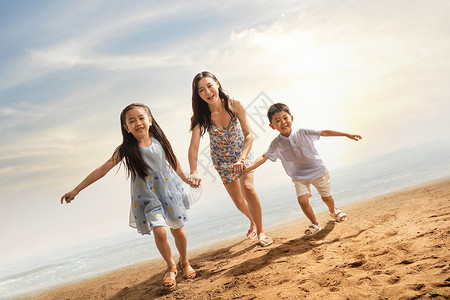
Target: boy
302	163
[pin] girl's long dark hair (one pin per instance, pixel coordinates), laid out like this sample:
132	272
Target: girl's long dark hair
129	149
200	110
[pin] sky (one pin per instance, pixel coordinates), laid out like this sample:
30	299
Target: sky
375	68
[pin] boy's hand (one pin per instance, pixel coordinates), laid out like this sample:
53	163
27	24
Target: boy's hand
354	137
239	167
244	169
69	196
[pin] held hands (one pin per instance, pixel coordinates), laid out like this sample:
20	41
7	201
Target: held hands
239	167
355	137
194	181
69	196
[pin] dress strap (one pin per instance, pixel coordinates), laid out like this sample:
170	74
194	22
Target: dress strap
232	106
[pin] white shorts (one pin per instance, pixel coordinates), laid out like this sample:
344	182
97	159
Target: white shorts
322	184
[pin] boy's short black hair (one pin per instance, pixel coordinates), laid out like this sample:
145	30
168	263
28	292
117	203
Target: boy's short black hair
277	107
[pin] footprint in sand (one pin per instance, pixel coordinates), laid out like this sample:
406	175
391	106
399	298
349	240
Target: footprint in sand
379	253
416	286
406	247
317	254
356	264
392	232
394	279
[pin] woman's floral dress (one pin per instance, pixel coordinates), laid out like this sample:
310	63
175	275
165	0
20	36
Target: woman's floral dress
226	147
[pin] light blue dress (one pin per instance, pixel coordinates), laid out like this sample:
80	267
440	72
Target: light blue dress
160	199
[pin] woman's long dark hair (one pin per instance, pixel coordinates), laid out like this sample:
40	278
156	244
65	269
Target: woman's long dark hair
200	110
129	149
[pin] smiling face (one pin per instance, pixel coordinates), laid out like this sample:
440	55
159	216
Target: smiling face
282	121
208	90
137	122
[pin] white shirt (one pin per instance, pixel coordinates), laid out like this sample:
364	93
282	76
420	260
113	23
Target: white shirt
298	155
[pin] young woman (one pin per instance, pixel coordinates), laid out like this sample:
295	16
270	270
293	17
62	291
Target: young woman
230	137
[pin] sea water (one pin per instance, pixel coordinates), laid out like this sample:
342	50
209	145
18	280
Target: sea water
350	184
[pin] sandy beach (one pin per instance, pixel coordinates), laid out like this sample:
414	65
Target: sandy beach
394	246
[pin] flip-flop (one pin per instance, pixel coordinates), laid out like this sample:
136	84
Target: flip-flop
251	234
313	228
266	241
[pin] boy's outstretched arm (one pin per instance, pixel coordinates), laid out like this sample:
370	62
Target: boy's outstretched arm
355	137
259	161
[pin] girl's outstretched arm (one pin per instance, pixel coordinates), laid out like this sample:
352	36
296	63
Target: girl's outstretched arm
337	133
248	135
91	178
259	161
193	179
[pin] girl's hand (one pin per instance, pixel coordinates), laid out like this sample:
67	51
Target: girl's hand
69	196
193	180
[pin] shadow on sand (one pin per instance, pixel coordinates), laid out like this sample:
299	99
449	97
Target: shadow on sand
152	287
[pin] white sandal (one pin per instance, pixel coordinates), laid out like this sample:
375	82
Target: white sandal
338	215
313	228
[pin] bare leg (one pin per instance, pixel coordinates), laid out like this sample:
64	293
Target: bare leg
181	244
162	243
248	190
329	201
303	200
234	190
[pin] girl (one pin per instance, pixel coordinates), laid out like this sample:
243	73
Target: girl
157	197
214	111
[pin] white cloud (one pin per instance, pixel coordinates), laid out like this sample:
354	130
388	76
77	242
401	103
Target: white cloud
8	111
81	48
260	35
